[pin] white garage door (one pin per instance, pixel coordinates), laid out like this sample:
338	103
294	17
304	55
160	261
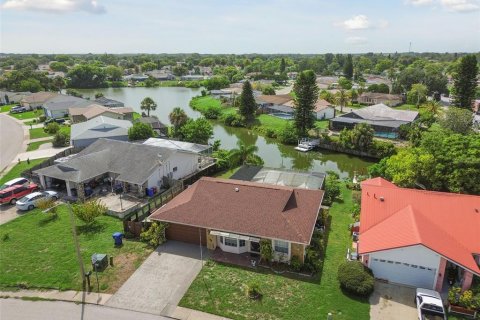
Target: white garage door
404	273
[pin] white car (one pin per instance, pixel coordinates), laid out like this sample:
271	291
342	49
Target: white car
30	201
429	305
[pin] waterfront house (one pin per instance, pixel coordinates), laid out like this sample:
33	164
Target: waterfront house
37	99
234	216
94	110
371	98
59	105
419	238
109	103
384	120
85	133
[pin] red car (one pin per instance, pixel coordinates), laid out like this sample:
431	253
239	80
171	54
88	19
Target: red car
13	193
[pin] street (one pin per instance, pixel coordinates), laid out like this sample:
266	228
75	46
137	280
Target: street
11	140
16	309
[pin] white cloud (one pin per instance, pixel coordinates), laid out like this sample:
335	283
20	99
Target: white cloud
357	22
55	6
461	5
419	2
356	41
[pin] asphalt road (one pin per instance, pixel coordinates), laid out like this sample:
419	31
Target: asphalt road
16	309
11	140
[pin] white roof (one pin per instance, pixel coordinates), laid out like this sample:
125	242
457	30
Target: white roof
177	145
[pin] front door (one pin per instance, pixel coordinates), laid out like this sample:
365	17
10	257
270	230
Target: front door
254	247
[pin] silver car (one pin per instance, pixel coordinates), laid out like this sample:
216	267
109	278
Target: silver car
30	201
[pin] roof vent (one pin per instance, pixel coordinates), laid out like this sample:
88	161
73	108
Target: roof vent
236	189
382	199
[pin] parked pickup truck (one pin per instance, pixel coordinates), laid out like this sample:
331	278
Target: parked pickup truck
429	305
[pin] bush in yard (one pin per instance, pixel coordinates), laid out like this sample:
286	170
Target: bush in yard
288	134
266	251
42	118
89	211
52	128
313	261
140	131
234	120
252	289
155	235
47	204
60	139
332	188
355	278
295	264
212	112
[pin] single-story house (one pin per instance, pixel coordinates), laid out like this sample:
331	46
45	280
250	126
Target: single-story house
133	165
179	145
7	97
192	77
37	99
419	238
280	177
160	75
371	98
136	77
385	121
95	110
85	133
156	125
323	109
284	104
233	216
58	106
109	103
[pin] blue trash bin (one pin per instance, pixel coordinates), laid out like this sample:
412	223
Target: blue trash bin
117	237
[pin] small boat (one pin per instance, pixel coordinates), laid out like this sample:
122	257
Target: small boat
303	148
306	144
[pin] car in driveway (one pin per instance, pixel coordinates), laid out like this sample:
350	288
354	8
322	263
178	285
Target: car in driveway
429	305
13	193
18	109
30	201
13	182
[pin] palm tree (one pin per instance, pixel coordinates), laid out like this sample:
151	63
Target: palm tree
177	118
341	98
148	104
433	107
240	155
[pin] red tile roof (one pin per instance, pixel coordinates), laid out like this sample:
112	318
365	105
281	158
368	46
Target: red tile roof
256	209
394	217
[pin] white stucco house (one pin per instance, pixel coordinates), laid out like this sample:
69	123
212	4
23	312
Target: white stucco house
419	238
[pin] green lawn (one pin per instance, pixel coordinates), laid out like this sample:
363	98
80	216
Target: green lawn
322	124
136	115
6	107
35	145
227	174
39	133
219	289
202	104
26	115
37	251
271	122
17	170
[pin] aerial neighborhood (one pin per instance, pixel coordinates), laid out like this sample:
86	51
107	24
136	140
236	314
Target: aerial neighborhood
240	185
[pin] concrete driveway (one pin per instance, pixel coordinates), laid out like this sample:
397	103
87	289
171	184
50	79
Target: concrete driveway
161	281
392	302
9	212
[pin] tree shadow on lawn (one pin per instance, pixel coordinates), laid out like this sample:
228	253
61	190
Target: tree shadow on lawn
48	219
353	296
90	229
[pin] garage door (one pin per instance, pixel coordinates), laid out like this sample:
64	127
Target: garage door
404	273
184	233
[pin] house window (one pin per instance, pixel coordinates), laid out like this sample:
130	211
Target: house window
241	243
281	246
175	169
230	242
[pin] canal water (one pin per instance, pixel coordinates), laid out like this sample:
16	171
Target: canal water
274	154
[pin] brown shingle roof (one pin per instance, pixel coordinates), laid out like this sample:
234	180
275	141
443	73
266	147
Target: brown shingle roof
261	210
275	99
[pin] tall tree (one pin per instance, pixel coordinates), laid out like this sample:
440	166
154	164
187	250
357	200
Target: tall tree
244	154
177	118
197	131
148	104
348	67
342	98
306	95
283	65
247	102
465	82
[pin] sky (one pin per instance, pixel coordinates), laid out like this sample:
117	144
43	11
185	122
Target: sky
239	26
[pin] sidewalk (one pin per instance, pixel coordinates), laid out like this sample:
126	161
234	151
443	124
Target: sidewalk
73	296
181	313
39	154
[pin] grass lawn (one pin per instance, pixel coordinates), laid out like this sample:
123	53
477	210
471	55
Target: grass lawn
219	289
39	252
39	133
136	115
6	107
271	122
202	104
25	115
35	145
322	124
17	170
226	174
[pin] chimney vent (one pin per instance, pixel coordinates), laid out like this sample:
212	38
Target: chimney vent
236	189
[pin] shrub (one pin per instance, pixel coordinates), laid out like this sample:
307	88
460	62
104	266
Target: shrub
89	211
313	262
140	131
155	235
266	251
60	139
270	133
383	149
355	278
332	188
234	120
288	134
295	264
52	128
252	290
212	112
42	118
